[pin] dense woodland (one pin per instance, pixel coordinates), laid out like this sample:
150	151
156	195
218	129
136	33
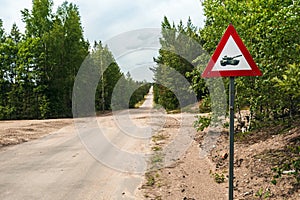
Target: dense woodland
270	31
38	67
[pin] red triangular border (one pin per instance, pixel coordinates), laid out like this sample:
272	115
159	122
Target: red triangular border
230	31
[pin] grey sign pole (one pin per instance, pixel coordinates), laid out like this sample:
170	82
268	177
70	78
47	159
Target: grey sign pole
231	136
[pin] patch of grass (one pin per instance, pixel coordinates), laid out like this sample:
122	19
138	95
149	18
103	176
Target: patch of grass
138	104
150	179
157	175
226	125
158	137
156	148
277	126
219	178
259	193
174	111
202	122
263	194
205	105
156	159
289	164
241	137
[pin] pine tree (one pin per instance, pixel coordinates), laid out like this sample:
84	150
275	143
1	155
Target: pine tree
13	41
179	47
3	71
68	49
109	73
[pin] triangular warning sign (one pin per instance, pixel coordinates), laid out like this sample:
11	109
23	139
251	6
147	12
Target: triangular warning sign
231	58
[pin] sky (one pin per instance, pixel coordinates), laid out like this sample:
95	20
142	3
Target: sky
106	20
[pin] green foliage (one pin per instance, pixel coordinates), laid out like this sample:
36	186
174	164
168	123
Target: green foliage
219	178
157	158
66	55
215	102
150	179
261	194
38	20
288	163
156	148
109	73
114	90
38	68
289	84
292	167
44	106
128	93
268	30
165	97
179	47
139	94
158	137
202	122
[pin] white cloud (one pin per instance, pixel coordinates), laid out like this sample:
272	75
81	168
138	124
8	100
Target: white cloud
147	15
10	12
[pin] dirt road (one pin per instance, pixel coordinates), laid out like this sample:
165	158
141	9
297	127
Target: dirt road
95	158
63	166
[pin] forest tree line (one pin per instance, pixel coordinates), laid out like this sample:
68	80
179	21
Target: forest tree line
270	31
38	67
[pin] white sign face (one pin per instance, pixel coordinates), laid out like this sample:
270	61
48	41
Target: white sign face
231	58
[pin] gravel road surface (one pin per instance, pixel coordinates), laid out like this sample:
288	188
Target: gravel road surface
63	165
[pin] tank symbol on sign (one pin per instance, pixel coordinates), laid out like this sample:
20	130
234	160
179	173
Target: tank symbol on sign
230	60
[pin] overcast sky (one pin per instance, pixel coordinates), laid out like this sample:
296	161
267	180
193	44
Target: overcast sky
105	19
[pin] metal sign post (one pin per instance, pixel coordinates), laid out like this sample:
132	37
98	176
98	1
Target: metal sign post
231	136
